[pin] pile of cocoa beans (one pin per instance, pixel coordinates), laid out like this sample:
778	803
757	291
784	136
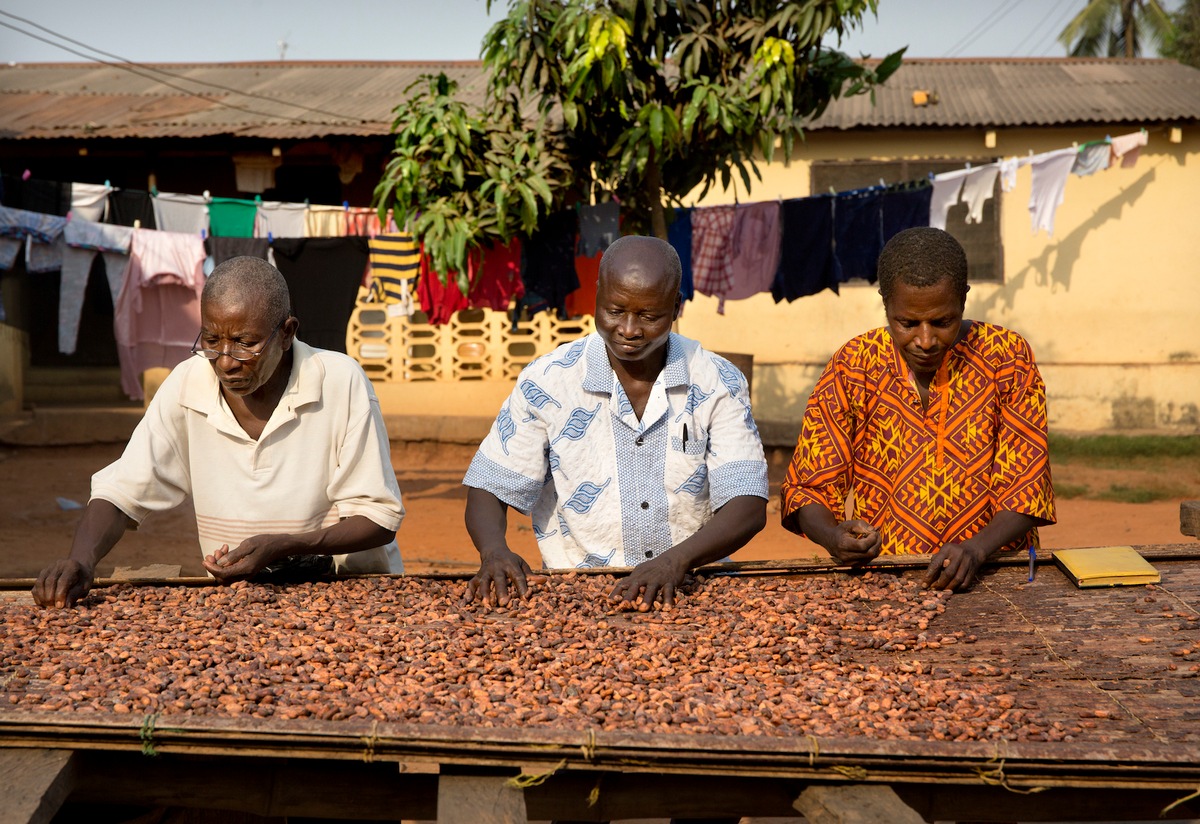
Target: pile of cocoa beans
827	656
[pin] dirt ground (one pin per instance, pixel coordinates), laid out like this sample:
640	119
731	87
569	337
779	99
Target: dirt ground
35	528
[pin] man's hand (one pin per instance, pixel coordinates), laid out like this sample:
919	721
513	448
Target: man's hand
251	555
954	566
854	542
62	584
649	582
498	570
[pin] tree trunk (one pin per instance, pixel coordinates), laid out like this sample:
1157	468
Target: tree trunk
654	198
1127	20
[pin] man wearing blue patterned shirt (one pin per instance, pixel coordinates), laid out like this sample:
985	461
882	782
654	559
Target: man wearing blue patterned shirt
632	447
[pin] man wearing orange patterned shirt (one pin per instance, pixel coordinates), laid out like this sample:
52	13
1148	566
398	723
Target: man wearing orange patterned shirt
934	425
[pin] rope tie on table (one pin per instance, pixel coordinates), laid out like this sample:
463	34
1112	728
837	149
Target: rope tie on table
520	782
815	751
370	741
997	778
1175	804
147	734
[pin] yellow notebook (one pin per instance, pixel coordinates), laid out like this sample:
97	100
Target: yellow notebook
1105	566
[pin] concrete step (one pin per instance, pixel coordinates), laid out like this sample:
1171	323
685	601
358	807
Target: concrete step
75	386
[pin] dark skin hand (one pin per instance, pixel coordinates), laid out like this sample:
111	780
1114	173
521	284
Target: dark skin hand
852	542
67	580
954	566
258	551
503	573
730	528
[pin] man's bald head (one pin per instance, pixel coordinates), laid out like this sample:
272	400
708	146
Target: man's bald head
647	259
251	282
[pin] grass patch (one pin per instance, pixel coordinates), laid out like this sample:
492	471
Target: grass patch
1062	490
1064	447
1138	494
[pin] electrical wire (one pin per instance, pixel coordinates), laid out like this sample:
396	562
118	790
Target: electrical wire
981	28
132	67
1039	26
1054	29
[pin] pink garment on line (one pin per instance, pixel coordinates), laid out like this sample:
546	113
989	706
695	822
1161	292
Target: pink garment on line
712	250
157	315
755	239
1127	147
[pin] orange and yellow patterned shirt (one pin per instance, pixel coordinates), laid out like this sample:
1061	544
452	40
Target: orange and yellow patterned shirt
932	476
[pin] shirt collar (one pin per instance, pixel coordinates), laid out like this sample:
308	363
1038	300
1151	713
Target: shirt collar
894	360
599	374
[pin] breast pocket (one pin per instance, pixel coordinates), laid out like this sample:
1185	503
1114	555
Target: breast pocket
690	441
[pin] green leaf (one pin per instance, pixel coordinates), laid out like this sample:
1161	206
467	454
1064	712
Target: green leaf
656	128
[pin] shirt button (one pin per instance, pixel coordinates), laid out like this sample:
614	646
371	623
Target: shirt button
645	504
649	554
640	441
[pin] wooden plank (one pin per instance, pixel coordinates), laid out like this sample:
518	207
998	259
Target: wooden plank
855	804
150	572
34	785
1189	518
479	799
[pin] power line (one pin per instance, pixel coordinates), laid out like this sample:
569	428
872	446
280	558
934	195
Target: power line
1055	28
981	28
129	65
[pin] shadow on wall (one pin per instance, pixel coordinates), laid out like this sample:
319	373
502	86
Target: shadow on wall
780	394
1057	260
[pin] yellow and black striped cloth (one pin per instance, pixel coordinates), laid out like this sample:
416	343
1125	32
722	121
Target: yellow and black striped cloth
395	264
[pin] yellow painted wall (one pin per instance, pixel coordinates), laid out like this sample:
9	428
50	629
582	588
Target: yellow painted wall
1110	303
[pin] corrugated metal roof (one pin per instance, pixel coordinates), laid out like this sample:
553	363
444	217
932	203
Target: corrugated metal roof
268	100
295	100
982	92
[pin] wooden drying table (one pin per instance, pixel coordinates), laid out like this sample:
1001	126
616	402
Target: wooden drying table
1072	650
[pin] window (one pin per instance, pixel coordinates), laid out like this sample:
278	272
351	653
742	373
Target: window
980	240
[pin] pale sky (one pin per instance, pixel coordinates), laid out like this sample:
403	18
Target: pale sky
232	30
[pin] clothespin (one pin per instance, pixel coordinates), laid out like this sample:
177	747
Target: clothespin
968	164
108	185
881	183
832	191
270	237
346	205
137	224
258	199
203	234
154	191
69	216
207	196
1075	145
25	175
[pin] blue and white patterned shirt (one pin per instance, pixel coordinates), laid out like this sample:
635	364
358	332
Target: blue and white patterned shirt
604	488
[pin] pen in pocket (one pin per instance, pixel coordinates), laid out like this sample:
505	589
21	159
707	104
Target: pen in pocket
685	436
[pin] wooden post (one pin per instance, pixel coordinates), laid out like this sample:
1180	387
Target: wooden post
479	799
1189	518
855	804
35	784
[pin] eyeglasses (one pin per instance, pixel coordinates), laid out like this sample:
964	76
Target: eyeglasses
236	351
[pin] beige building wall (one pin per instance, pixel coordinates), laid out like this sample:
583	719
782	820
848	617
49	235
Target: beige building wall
1110	303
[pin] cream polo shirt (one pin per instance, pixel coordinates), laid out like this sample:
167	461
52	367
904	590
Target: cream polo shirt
324	455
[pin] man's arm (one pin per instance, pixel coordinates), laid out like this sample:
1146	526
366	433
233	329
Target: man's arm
353	534
731	527
499	566
67	580
848	542
954	565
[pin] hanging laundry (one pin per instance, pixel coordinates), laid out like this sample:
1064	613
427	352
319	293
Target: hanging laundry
806	248
439	301
1049	179
497	280
126	206
221	249
187	214
90	200
755	239
232	217
857	233
325	221
157	315
363	220
599	226
977	188
905	207
1008	173
550	260
323	276
395	263
278	219
946	187
1127	147
679	235
39	233
583	300
46	196
1092	158
712	273
83	240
